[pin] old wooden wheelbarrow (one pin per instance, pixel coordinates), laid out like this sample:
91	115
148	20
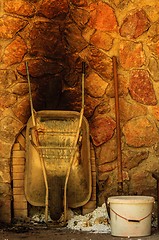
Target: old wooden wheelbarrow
58	168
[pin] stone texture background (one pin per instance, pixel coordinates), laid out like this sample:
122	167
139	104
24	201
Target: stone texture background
54	37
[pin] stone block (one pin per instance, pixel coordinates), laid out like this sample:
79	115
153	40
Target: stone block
20	213
18	191
18	168
16	147
19	154
19	198
18	183
18	176
20	205
5	211
18	161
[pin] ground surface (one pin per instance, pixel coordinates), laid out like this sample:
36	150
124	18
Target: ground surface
59	233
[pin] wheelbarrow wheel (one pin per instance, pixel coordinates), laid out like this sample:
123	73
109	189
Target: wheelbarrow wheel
56	202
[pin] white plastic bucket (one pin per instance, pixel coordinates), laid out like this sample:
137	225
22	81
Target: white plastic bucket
130	216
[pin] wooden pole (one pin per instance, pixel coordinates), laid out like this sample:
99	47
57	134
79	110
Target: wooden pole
30	96
120	175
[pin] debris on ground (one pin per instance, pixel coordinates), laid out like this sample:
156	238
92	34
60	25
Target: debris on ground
96	221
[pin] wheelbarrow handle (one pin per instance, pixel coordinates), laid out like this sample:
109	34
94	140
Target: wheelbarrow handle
83	67
107	208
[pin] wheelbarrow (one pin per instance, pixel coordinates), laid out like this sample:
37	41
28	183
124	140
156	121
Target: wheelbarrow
58	168
56	132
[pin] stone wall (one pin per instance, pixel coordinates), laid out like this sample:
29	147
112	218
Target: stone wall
54	37
127	30
29	31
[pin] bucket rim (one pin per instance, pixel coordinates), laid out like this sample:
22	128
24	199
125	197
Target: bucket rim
131	199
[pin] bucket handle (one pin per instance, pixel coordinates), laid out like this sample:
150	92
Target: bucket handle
131	220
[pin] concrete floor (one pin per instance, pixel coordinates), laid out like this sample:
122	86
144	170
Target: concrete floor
52	233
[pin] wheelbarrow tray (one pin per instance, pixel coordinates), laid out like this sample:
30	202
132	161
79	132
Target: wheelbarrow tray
56	133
